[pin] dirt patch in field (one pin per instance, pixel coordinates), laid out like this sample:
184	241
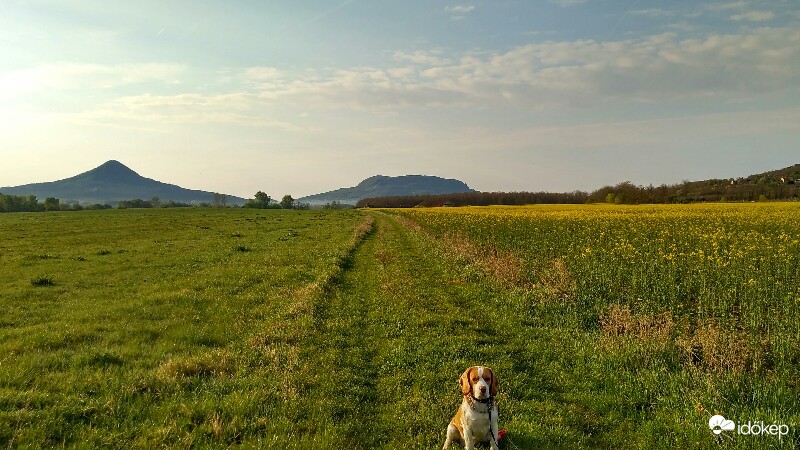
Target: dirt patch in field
556	282
701	345
362	229
503	266
619	324
409	223
709	346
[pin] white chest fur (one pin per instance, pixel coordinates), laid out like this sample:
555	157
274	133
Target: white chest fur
476	418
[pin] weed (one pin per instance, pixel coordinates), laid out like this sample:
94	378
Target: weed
42	280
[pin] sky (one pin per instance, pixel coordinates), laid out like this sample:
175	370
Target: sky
301	97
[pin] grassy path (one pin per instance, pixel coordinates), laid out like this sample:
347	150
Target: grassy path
391	338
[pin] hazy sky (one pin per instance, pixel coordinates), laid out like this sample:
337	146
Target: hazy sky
300	97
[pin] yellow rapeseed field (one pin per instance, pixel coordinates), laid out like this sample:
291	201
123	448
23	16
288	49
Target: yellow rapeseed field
735	263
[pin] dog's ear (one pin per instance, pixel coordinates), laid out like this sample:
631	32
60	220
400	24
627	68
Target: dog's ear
466	386
493	386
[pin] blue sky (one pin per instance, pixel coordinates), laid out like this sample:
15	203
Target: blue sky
303	97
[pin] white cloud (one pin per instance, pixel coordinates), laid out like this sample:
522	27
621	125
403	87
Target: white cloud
242	108
726	6
652	12
429	58
257	74
575	73
460	9
552	75
754	16
70	76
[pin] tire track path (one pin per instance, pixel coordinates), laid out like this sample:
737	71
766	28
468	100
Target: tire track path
390	338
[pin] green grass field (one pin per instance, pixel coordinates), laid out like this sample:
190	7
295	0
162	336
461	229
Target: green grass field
609	327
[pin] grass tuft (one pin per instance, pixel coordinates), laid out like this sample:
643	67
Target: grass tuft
103	359
42	281
218	363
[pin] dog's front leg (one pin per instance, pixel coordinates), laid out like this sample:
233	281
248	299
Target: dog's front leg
469	439
453	435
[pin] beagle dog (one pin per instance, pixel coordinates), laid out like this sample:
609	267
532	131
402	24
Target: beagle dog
476	419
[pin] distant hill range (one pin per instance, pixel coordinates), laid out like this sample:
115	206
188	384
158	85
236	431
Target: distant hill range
113	182
383	186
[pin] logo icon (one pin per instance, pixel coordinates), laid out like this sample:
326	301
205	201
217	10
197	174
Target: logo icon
718	424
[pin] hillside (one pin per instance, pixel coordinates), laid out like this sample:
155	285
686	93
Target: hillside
110	183
781	184
383	186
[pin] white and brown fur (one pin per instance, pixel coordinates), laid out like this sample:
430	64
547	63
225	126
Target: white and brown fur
476	418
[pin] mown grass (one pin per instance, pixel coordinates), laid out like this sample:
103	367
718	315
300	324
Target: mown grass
132	327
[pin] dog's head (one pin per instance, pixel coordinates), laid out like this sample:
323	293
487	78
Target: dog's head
480	381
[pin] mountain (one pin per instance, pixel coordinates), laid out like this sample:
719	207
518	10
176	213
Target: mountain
111	183
383	186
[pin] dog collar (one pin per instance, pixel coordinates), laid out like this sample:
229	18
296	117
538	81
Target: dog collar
471	399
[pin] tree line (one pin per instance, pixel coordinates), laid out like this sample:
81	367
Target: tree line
750	189
262	200
30	203
473	199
